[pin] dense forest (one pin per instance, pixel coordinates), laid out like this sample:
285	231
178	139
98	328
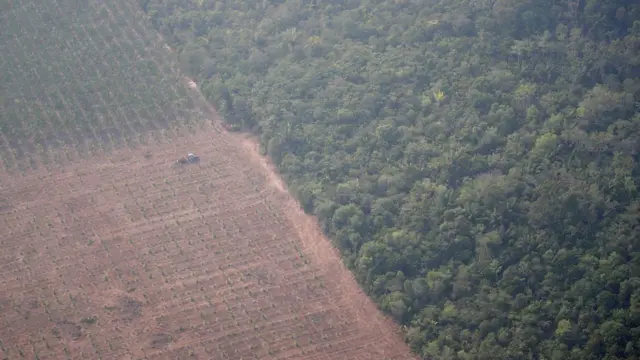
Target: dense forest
476	161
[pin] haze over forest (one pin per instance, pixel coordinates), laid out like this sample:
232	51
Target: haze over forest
476	162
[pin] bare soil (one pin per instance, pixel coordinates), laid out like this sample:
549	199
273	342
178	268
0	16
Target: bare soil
122	256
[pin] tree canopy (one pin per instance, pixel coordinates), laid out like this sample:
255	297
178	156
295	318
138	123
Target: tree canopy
476	161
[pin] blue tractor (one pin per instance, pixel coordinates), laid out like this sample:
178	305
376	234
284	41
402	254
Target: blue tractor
190	159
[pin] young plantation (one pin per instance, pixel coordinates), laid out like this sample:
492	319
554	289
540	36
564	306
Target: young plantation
85	77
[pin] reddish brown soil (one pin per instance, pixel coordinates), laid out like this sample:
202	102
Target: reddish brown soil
122	256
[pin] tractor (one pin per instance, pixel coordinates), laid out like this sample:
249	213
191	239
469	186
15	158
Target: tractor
190	159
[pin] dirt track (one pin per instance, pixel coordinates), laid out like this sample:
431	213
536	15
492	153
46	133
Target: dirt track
123	257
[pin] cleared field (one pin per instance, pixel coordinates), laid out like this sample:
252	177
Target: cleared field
124	257
108	252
